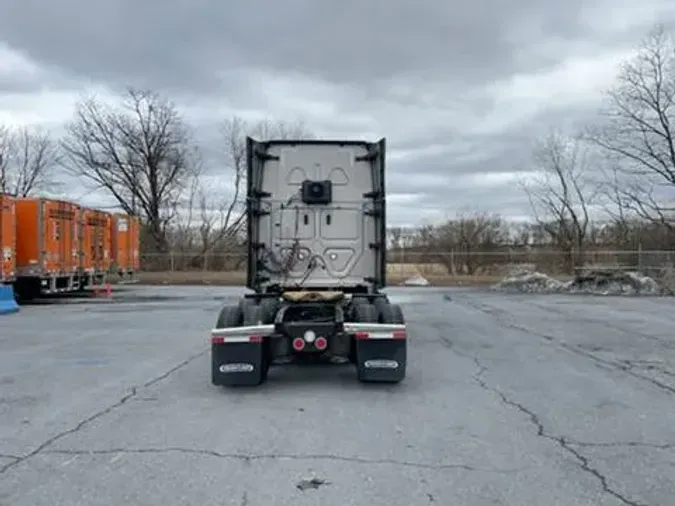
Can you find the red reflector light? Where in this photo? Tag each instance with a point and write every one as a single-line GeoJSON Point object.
{"type": "Point", "coordinates": [361, 335]}
{"type": "Point", "coordinates": [321, 343]}
{"type": "Point", "coordinates": [255, 339]}
{"type": "Point", "coordinates": [217, 340]}
{"type": "Point", "coordinates": [399, 334]}
{"type": "Point", "coordinates": [298, 344]}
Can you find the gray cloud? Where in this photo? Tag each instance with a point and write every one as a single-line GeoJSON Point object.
{"type": "Point", "coordinates": [184, 43]}
{"type": "Point", "coordinates": [431, 76]}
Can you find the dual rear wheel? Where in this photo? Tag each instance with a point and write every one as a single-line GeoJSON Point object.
{"type": "Point", "coordinates": [255, 357]}
{"type": "Point", "coordinates": [390, 355]}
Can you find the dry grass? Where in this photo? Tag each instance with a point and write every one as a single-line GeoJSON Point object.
{"type": "Point", "coordinates": [239, 278]}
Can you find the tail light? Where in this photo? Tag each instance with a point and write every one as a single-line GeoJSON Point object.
{"type": "Point", "coordinates": [321, 343]}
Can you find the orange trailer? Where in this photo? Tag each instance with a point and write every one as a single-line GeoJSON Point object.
{"type": "Point", "coordinates": [7, 239]}
{"type": "Point", "coordinates": [47, 246]}
{"type": "Point", "coordinates": [135, 241]}
{"type": "Point", "coordinates": [125, 233]}
{"type": "Point", "coordinates": [96, 246]}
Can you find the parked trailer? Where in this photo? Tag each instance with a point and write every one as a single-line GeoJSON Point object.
{"type": "Point", "coordinates": [7, 239]}
{"type": "Point", "coordinates": [316, 214]}
{"type": "Point", "coordinates": [125, 239]}
{"type": "Point", "coordinates": [47, 246]}
{"type": "Point", "coordinates": [96, 247]}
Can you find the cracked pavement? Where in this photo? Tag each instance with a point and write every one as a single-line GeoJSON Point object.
{"type": "Point", "coordinates": [509, 400]}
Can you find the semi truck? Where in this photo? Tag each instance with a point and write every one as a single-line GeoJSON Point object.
{"type": "Point", "coordinates": [316, 227]}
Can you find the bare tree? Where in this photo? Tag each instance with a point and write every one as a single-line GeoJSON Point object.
{"type": "Point", "coordinates": [561, 192]}
{"type": "Point", "coordinates": [140, 153]}
{"type": "Point", "coordinates": [464, 244]}
{"type": "Point", "coordinates": [637, 130]}
{"type": "Point", "coordinates": [222, 219]}
{"type": "Point", "coordinates": [28, 159]}
{"type": "Point", "coordinates": [618, 232]}
{"type": "Point", "coordinates": [182, 234]}
{"type": "Point", "coordinates": [473, 239]}
{"type": "Point", "coordinates": [395, 238]}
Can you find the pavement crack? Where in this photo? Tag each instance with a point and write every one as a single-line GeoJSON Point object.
{"type": "Point", "coordinates": [10, 457]}
{"type": "Point", "coordinates": [248, 457]}
{"type": "Point", "coordinates": [86, 421]}
{"type": "Point", "coordinates": [502, 318]}
{"type": "Point", "coordinates": [585, 319]}
{"type": "Point", "coordinates": [620, 444]}
{"type": "Point", "coordinates": [562, 442]}
{"type": "Point", "coordinates": [626, 368]}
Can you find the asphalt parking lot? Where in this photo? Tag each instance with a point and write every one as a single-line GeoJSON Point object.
{"type": "Point", "coordinates": [509, 400]}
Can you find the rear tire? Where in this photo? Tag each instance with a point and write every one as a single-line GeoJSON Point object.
{"type": "Point", "coordinates": [230, 316]}
{"type": "Point", "coordinates": [380, 302]}
{"type": "Point", "coordinates": [243, 314]}
{"type": "Point", "coordinates": [391, 313]}
{"type": "Point", "coordinates": [357, 301]}
{"type": "Point", "coordinates": [269, 309]}
{"type": "Point", "coordinates": [245, 302]}
{"type": "Point", "coordinates": [382, 312]}
{"type": "Point", "coordinates": [365, 312]}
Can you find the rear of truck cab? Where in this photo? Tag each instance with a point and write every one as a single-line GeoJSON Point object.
{"type": "Point", "coordinates": [316, 235]}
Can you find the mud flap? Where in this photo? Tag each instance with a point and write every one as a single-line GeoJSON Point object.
{"type": "Point", "coordinates": [240, 360]}
{"type": "Point", "coordinates": [381, 360]}
{"type": "Point", "coordinates": [235, 364]}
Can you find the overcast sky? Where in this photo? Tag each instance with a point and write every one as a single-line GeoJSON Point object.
{"type": "Point", "coordinates": [460, 89]}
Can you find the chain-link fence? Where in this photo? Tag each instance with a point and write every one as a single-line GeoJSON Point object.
{"type": "Point", "coordinates": [430, 264]}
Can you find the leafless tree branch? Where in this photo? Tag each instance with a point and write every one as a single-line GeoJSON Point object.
{"type": "Point", "coordinates": [217, 204]}
{"type": "Point", "coordinates": [637, 129]}
{"type": "Point", "coordinates": [28, 160]}
{"type": "Point", "coordinates": [140, 153]}
{"type": "Point", "coordinates": [562, 191]}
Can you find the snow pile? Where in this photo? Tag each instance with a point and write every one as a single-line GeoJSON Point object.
{"type": "Point", "coordinates": [530, 282]}
{"type": "Point", "coordinates": [667, 280]}
{"type": "Point", "coordinates": [593, 283]}
{"type": "Point", "coordinates": [416, 281]}
{"type": "Point", "coordinates": [616, 283]}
